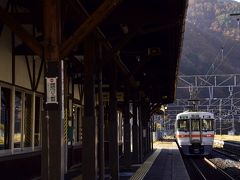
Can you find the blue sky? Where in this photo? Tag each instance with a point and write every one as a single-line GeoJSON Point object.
{"type": "Point", "coordinates": [237, 0]}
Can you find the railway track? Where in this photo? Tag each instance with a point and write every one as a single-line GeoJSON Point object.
{"type": "Point", "coordinates": [233, 142]}
{"type": "Point", "coordinates": [228, 161]}
{"type": "Point", "coordinates": [228, 148]}
{"type": "Point", "coordinates": [203, 169]}
{"type": "Point", "coordinates": [228, 153]}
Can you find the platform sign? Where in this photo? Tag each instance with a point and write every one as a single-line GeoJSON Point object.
{"type": "Point", "coordinates": [119, 96]}
{"type": "Point", "coordinates": [51, 90]}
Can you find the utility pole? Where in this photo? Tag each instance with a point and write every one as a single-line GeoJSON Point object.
{"type": "Point", "coordinates": [238, 37]}
{"type": "Point", "coordinates": [220, 116]}
{"type": "Point", "coordinates": [236, 14]}
{"type": "Point", "coordinates": [232, 107]}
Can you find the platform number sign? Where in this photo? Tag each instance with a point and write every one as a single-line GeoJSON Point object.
{"type": "Point", "coordinates": [51, 90]}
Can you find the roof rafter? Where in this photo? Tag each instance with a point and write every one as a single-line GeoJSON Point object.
{"type": "Point", "coordinates": [88, 26]}
{"type": "Point", "coordinates": [113, 51]}
{"type": "Point", "coordinates": [22, 33]}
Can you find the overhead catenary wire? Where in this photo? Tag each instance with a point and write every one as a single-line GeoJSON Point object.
{"type": "Point", "coordinates": [222, 54]}
{"type": "Point", "coordinates": [219, 61]}
{"type": "Point", "coordinates": [230, 50]}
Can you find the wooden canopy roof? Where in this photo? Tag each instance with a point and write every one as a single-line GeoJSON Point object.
{"type": "Point", "coordinates": [143, 37]}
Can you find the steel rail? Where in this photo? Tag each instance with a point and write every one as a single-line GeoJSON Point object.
{"type": "Point", "coordinates": [219, 169]}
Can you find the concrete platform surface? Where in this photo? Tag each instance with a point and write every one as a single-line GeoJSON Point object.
{"type": "Point", "coordinates": [164, 164]}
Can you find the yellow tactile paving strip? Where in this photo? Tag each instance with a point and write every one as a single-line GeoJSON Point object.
{"type": "Point", "coordinates": [142, 171]}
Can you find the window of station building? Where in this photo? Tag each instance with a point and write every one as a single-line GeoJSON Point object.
{"type": "Point", "coordinates": [195, 124]}
{"type": "Point", "coordinates": [5, 119]}
{"type": "Point", "coordinates": [28, 121]}
{"type": "Point", "coordinates": [75, 132]}
{"type": "Point", "coordinates": [18, 120]}
{"type": "Point", "coordinates": [23, 128]}
{"type": "Point", "coordinates": [80, 111]}
{"type": "Point", "coordinates": [120, 127]}
{"type": "Point", "coordinates": [37, 128]}
{"type": "Point", "coordinates": [207, 124]}
{"type": "Point", "coordinates": [183, 125]}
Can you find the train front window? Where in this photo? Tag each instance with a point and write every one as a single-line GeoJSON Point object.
{"type": "Point", "coordinates": [195, 124]}
{"type": "Point", "coordinates": [183, 125]}
{"type": "Point", "coordinates": [207, 124]}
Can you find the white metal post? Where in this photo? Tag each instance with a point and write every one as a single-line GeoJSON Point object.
{"type": "Point", "coordinates": [12, 119]}
{"type": "Point", "coordinates": [33, 118]}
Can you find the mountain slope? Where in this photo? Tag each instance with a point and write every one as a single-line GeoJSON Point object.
{"type": "Point", "coordinates": [211, 40]}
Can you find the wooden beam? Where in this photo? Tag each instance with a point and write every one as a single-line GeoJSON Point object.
{"type": "Point", "coordinates": [52, 29]}
{"type": "Point", "coordinates": [124, 70]}
{"type": "Point", "coordinates": [154, 108]}
{"type": "Point", "coordinates": [82, 13]}
{"type": "Point", "coordinates": [112, 51]}
{"type": "Point", "coordinates": [88, 26]}
{"type": "Point", "coordinates": [22, 33]}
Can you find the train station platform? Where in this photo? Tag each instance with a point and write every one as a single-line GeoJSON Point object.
{"type": "Point", "coordinates": [164, 164]}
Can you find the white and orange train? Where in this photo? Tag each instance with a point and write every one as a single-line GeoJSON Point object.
{"type": "Point", "coordinates": [194, 132]}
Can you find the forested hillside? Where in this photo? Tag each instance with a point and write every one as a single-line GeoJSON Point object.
{"type": "Point", "coordinates": [211, 40]}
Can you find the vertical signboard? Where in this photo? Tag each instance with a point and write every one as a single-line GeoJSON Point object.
{"type": "Point", "coordinates": [51, 90]}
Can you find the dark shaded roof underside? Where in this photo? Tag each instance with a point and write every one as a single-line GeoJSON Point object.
{"type": "Point", "coordinates": [146, 34]}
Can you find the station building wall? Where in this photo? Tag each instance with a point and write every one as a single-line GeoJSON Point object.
{"type": "Point", "coordinates": [21, 107]}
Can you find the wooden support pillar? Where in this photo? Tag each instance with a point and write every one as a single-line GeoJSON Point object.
{"type": "Point", "coordinates": [148, 137]}
{"type": "Point", "coordinates": [113, 128]}
{"type": "Point", "coordinates": [54, 124]}
{"type": "Point", "coordinates": [127, 140]}
{"type": "Point", "coordinates": [101, 129]}
{"type": "Point", "coordinates": [89, 153]}
{"type": "Point", "coordinates": [145, 125]}
{"type": "Point", "coordinates": [140, 112]}
{"type": "Point", "coordinates": [53, 149]}
{"type": "Point", "coordinates": [148, 130]}
{"type": "Point", "coordinates": [45, 142]}
{"type": "Point", "coordinates": [135, 134]}
{"type": "Point", "coordinates": [152, 130]}
{"type": "Point", "coordinates": [66, 117]}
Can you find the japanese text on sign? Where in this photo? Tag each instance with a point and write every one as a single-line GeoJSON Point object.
{"type": "Point", "coordinates": [51, 90]}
